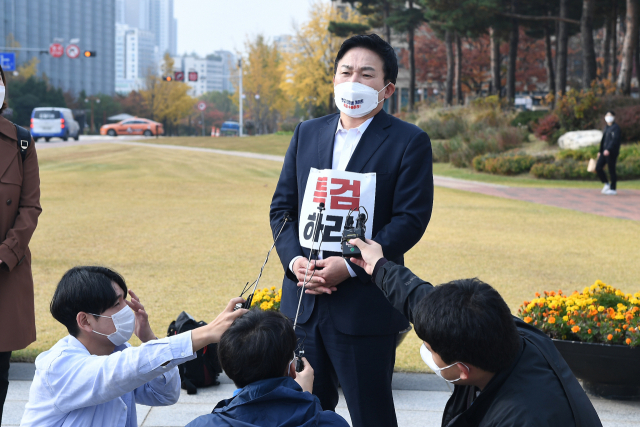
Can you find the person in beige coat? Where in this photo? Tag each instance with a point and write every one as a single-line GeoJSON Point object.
{"type": "Point", "coordinates": [19, 211]}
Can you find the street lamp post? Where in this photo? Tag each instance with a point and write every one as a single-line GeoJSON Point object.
{"type": "Point", "coordinates": [240, 95]}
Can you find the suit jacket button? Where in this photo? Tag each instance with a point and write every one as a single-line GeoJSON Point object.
{"type": "Point", "coordinates": [8, 202]}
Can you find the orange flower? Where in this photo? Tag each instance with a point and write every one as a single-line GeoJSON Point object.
{"type": "Point", "coordinates": [628, 341]}
{"type": "Point", "coordinates": [552, 293]}
{"type": "Point", "coordinates": [537, 294]}
{"type": "Point", "coordinates": [575, 329]}
{"type": "Point", "coordinates": [552, 320]}
{"type": "Point", "coordinates": [589, 331]}
{"type": "Point", "coordinates": [598, 324]}
{"type": "Point", "coordinates": [572, 322]}
{"type": "Point", "coordinates": [527, 319]}
{"type": "Point", "coordinates": [617, 331]}
{"type": "Point", "coordinates": [625, 327]}
{"type": "Point", "coordinates": [609, 337]}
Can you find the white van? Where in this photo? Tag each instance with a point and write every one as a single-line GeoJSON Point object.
{"type": "Point", "coordinates": [51, 122]}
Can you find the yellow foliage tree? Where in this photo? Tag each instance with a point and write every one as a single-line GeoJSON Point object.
{"type": "Point", "coordinates": [310, 68]}
{"type": "Point", "coordinates": [168, 102]}
{"type": "Point", "coordinates": [262, 75]}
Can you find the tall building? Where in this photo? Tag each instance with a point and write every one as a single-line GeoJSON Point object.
{"type": "Point", "coordinates": [215, 72]}
{"type": "Point", "coordinates": [164, 26]}
{"type": "Point", "coordinates": [135, 57]}
{"type": "Point", "coordinates": [36, 24]}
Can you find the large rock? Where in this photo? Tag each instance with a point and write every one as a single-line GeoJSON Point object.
{"type": "Point", "coordinates": [579, 139]}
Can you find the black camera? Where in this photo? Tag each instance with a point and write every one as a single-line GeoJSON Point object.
{"type": "Point", "coordinates": [352, 231]}
{"type": "Point", "coordinates": [299, 362]}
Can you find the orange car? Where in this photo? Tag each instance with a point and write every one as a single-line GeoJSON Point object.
{"type": "Point", "coordinates": [133, 126]}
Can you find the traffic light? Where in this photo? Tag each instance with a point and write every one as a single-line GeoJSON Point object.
{"type": "Point", "coordinates": [89, 53]}
{"type": "Point", "coordinates": [167, 78]}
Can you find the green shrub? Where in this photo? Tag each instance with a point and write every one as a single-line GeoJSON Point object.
{"type": "Point", "coordinates": [629, 151]}
{"type": "Point", "coordinates": [508, 163]}
{"type": "Point", "coordinates": [584, 153]}
{"type": "Point", "coordinates": [528, 119]}
{"type": "Point", "coordinates": [629, 168]}
{"type": "Point", "coordinates": [445, 127]}
{"type": "Point", "coordinates": [440, 154]}
{"type": "Point", "coordinates": [563, 169]}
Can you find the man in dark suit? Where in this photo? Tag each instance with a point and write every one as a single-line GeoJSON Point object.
{"type": "Point", "coordinates": [346, 326]}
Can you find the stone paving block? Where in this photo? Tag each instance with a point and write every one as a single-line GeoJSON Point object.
{"type": "Point", "coordinates": [411, 400]}
{"type": "Point", "coordinates": [419, 419]}
{"type": "Point", "coordinates": [141, 413]}
{"type": "Point", "coordinates": [12, 412]}
{"type": "Point", "coordinates": [18, 390]}
{"type": "Point", "coordinates": [22, 371]}
{"type": "Point", "coordinates": [176, 415]}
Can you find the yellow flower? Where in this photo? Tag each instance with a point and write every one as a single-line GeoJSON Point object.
{"type": "Point", "coordinates": [264, 306]}
{"type": "Point", "coordinates": [278, 298]}
{"type": "Point", "coordinates": [273, 288]}
{"type": "Point", "coordinates": [600, 309]}
{"type": "Point", "coordinates": [565, 318]}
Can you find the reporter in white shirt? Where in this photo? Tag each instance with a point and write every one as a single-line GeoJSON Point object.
{"type": "Point", "coordinates": [93, 376]}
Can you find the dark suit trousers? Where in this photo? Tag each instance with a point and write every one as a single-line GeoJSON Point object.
{"type": "Point", "coordinates": [4, 378]}
{"type": "Point", "coordinates": [362, 365]}
{"type": "Point", "coordinates": [610, 161]}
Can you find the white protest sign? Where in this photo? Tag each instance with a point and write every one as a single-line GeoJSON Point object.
{"type": "Point", "coordinates": [340, 192]}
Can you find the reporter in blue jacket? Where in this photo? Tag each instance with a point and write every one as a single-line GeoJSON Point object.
{"type": "Point", "coordinates": [256, 352]}
{"type": "Point", "coordinates": [348, 327]}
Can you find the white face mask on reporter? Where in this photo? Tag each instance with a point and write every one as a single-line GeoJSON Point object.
{"type": "Point", "coordinates": [427, 357]}
{"type": "Point", "coordinates": [2, 93]}
{"type": "Point", "coordinates": [609, 119]}
{"type": "Point", "coordinates": [355, 99]}
{"type": "Point", "coordinates": [125, 322]}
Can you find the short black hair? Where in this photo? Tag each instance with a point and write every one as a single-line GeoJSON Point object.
{"type": "Point", "coordinates": [4, 81]}
{"type": "Point", "coordinates": [610, 112]}
{"type": "Point", "coordinates": [258, 345]}
{"type": "Point", "coordinates": [374, 43]}
{"type": "Point", "coordinates": [468, 321]}
{"type": "Point", "coordinates": [87, 289]}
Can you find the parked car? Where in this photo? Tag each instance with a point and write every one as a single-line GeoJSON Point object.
{"type": "Point", "coordinates": [134, 126]}
{"type": "Point", "coordinates": [52, 122]}
{"type": "Point", "coordinates": [230, 128]}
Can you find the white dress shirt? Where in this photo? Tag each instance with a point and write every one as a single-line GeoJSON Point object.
{"type": "Point", "coordinates": [344, 144]}
{"type": "Point", "coordinates": [71, 387]}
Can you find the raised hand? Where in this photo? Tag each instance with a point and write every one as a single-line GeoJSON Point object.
{"type": "Point", "coordinates": [142, 329]}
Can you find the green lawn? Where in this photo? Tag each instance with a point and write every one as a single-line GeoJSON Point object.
{"type": "Point", "coordinates": [277, 145]}
{"type": "Point", "coordinates": [188, 231]}
{"type": "Point", "coordinates": [263, 144]}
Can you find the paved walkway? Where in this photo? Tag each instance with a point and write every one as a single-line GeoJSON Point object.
{"type": "Point", "coordinates": [625, 205]}
{"type": "Point", "coordinates": [419, 401]}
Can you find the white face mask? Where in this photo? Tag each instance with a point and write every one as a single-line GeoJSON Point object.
{"type": "Point", "coordinates": [125, 322]}
{"type": "Point", "coordinates": [356, 99]}
{"type": "Point", "coordinates": [609, 119]}
{"type": "Point", "coordinates": [2, 92]}
{"type": "Point", "coordinates": [427, 357]}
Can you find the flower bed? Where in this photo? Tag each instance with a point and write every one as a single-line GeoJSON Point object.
{"type": "Point", "coordinates": [267, 299]}
{"type": "Point", "coordinates": [598, 314]}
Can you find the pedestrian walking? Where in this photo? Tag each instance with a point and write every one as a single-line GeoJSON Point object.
{"type": "Point", "coordinates": [608, 154]}
{"type": "Point", "coordinates": [19, 211]}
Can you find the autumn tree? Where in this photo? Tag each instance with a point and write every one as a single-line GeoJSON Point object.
{"type": "Point", "coordinates": [629, 47]}
{"type": "Point", "coordinates": [310, 67]}
{"type": "Point", "coordinates": [167, 102]}
{"type": "Point", "coordinates": [263, 74]}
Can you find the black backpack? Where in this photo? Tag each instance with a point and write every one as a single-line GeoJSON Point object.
{"type": "Point", "coordinates": [24, 139]}
{"type": "Point", "coordinates": [202, 371]}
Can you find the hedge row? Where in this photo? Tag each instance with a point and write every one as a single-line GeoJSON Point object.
{"type": "Point", "coordinates": [568, 164]}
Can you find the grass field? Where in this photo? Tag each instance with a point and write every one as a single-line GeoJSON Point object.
{"type": "Point", "coordinates": [188, 231]}
{"type": "Point", "coordinates": [277, 145]}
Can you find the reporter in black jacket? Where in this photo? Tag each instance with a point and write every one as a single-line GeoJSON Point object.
{"type": "Point", "coordinates": [505, 372]}
{"type": "Point", "coordinates": [608, 154]}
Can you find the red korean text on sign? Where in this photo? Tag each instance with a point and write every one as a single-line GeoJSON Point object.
{"type": "Point", "coordinates": [339, 197]}
{"type": "Point", "coordinates": [320, 195]}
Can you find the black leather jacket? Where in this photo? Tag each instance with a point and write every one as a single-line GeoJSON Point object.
{"type": "Point", "coordinates": [611, 139]}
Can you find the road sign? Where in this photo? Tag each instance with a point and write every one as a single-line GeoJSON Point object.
{"type": "Point", "coordinates": [73, 51]}
{"type": "Point", "coordinates": [179, 76]}
{"type": "Point", "coordinates": [202, 106]}
{"type": "Point", "coordinates": [193, 76]}
{"type": "Point", "coordinates": [56, 50]}
{"type": "Point", "coordinates": [8, 61]}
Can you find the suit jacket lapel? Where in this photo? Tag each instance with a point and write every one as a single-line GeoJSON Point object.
{"type": "Point", "coordinates": [372, 138]}
{"type": "Point", "coordinates": [325, 138]}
